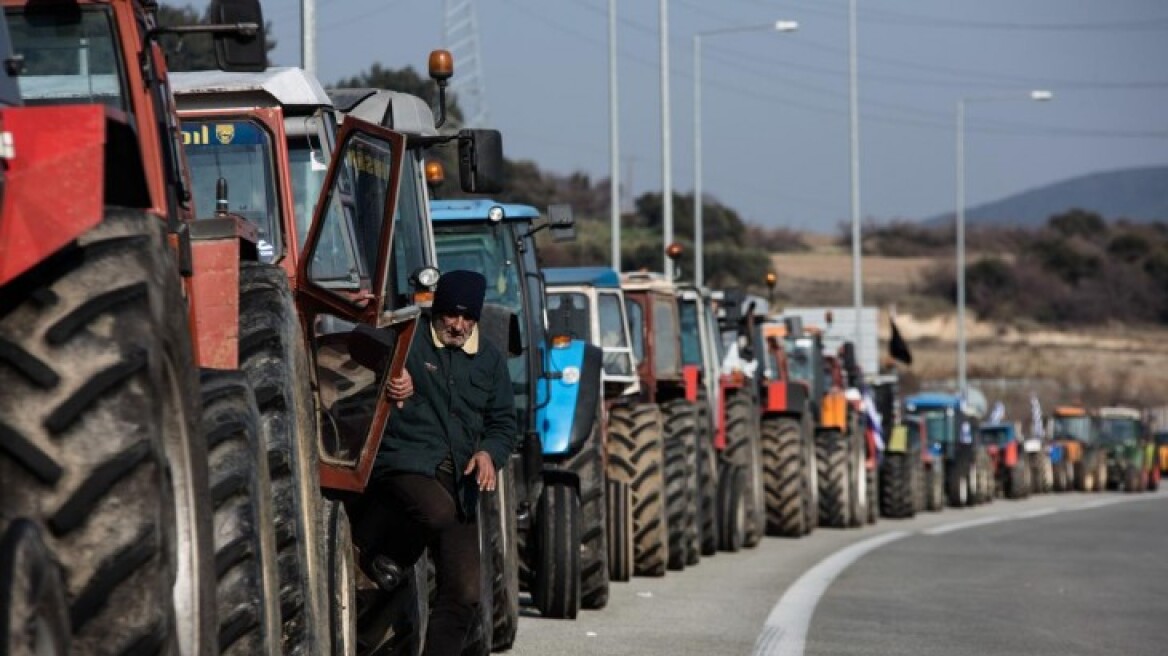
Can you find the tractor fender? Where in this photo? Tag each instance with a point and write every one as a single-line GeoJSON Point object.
{"type": "Point", "coordinates": [55, 185]}
{"type": "Point", "coordinates": [552, 475]}
{"type": "Point", "coordinates": [566, 417]}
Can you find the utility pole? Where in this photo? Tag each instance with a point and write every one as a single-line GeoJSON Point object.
{"type": "Point", "coordinates": [854, 111]}
{"type": "Point", "coordinates": [613, 140]}
{"type": "Point", "coordinates": [308, 35]}
{"type": "Point", "coordinates": [666, 164]}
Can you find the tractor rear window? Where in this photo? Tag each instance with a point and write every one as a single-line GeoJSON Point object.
{"type": "Point", "coordinates": [239, 153]}
{"type": "Point", "coordinates": [666, 358]}
{"type": "Point", "coordinates": [568, 314]}
{"type": "Point", "coordinates": [69, 55]}
{"type": "Point", "coordinates": [691, 342]}
{"type": "Point", "coordinates": [1119, 429]}
{"type": "Point", "coordinates": [1075, 428]}
{"type": "Point", "coordinates": [612, 336]}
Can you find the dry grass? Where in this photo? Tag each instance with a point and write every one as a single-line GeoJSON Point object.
{"type": "Point", "coordinates": [1105, 365]}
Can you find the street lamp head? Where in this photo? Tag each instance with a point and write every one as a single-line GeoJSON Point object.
{"type": "Point", "coordinates": [786, 25]}
{"type": "Point", "coordinates": [1041, 95]}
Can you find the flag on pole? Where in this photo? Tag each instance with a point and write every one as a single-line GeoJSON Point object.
{"type": "Point", "coordinates": [1036, 428]}
{"type": "Point", "coordinates": [998, 414]}
{"type": "Point", "coordinates": [868, 405]}
{"type": "Point", "coordinates": [897, 347]}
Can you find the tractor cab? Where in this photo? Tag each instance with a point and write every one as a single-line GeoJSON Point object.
{"type": "Point", "coordinates": [587, 303]}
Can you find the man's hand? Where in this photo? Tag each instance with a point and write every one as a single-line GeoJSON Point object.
{"type": "Point", "coordinates": [481, 461]}
{"type": "Point", "coordinates": [400, 388]}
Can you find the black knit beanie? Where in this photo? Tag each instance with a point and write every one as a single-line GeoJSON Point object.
{"type": "Point", "coordinates": [460, 292]}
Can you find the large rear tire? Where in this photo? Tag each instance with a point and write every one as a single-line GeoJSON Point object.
{"type": "Point", "coordinates": [731, 507]}
{"type": "Point", "coordinates": [831, 457]}
{"type": "Point", "coordinates": [588, 466]}
{"type": "Point", "coordinates": [245, 541]}
{"type": "Point", "coordinates": [743, 449]}
{"type": "Point", "coordinates": [782, 450]}
{"type": "Point", "coordinates": [935, 486]}
{"type": "Point", "coordinates": [272, 354]}
{"type": "Point", "coordinates": [896, 486]}
{"type": "Point", "coordinates": [100, 447]}
{"type": "Point", "coordinates": [680, 485]}
{"type": "Point", "coordinates": [636, 456]}
{"type": "Point", "coordinates": [707, 478]}
{"type": "Point", "coordinates": [556, 586]}
{"type": "Point", "coordinates": [620, 531]}
{"type": "Point", "coordinates": [503, 508]}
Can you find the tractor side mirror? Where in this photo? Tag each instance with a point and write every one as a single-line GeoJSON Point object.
{"type": "Point", "coordinates": [480, 161]}
{"type": "Point", "coordinates": [562, 223]}
{"type": "Point", "coordinates": [243, 50]}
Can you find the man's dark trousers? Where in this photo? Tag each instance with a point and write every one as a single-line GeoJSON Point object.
{"type": "Point", "coordinates": [413, 512]}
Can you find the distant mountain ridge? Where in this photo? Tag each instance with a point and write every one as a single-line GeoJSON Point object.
{"type": "Point", "coordinates": [1139, 194]}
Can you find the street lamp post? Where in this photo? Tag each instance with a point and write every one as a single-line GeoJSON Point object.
{"type": "Point", "coordinates": [699, 236]}
{"type": "Point", "coordinates": [666, 155]}
{"type": "Point", "coordinates": [613, 140]}
{"type": "Point", "coordinates": [1039, 95]}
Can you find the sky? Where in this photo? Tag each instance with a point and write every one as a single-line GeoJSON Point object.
{"type": "Point", "coordinates": [775, 120]}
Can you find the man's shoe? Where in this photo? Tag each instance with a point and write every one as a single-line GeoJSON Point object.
{"type": "Point", "coordinates": [387, 574]}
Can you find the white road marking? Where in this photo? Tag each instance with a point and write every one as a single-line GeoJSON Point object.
{"type": "Point", "coordinates": [969, 523]}
{"type": "Point", "coordinates": [785, 630]}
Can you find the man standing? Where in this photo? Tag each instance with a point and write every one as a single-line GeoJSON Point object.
{"type": "Point", "coordinates": [444, 445]}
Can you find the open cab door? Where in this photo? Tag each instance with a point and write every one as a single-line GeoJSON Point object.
{"type": "Point", "coordinates": [356, 343]}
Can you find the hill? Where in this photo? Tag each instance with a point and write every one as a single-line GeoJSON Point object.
{"type": "Point", "coordinates": [1139, 194]}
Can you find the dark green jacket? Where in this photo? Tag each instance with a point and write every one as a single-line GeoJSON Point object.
{"type": "Point", "coordinates": [462, 404]}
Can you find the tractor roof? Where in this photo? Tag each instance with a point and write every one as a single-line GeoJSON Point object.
{"type": "Point", "coordinates": [1118, 412]}
{"type": "Point", "coordinates": [476, 210]}
{"type": "Point", "coordinates": [285, 87]}
{"type": "Point", "coordinates": [645, 281]}
{"type": "Point", "coordinates": [932, 400]}
{"type": "Point", "coordinates": [600, 277]}
{"type": "Point", "coordinates": [1070, 411]}
{"type": "Point", "coordinates": [395, 110]}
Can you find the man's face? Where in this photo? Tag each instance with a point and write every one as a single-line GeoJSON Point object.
{"type": "Point", "coordinates": [453, 329]}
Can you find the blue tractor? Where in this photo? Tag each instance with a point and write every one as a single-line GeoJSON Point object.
{"type": "Point", "coordinates": [559, 469]}
{"type": "Point", "coordinates": [954, 438]}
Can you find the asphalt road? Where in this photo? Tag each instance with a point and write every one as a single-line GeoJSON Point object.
{"type": "Point", "coordinates": [1057, 574]}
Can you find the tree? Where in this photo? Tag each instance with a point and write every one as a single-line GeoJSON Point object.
{"type": "Point", "coordinates": [194, 52]}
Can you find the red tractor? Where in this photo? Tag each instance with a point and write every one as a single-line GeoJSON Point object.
{"type": "Point", "coordinates": [148, 520]}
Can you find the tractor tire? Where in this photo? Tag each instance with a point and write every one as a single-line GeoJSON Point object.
{"type": "Point", "coordinates": [935, 487]}
{"type": "Point", "coordinates": [636, 457]}
{"type": "Point", "coordinates": [743, 449]}
{"type": "Point", "coordinates": [499, 515]}
{"type": "Point", "coordinates": [783, 467]}
{"type": "Point", "coordinates": [100, 447]}
{"type": "Point", "coordinates": [679, 435]}
{"type": "Point", "coordinates": [619, 529]}
{"type": "Point", "coordinates": [271, 353]}
{"type": "Point", "coordinates": [810, 472]}
{"type": "Point", "coordinates": [731, 507]}
{"type": "Point", "coordinates": [1017, 481]}
{"type": "Point", "coordinates": [957, 479]}
{"type": "Point", "coordinates": [896, 487]}
{"type": "Point", "coordinates": [873, 482]}
{"type": "Point", "coordinates": [707, 478]}
{"type": "Point", "coordinates": [588, 465]}
{"type": "Point", "coordinates": [1060, 482]}
{"type": "Point", "coordinates": [1101, 482]}
{"type": "Point", "coordinates": [917, 472]}
{"type": "Point", "coordinates": [1085, 475]}
{"type": "Point", "coordinates": [342, 585]}
{"type": "Point", "coordinates": [245, 542]}
{"type": "Point", "coordinates": [858, 488]}
{"type": "Point", "coordinates": [1133, 479]}
{"type": "Point", "coordinates": [34, 618]}
{"type": "Point", "coordinates": [987, 483]}
{"type": "Point", "coordinates": [831, 456]}
{"type": "Point", "coordinates": [556, 588]}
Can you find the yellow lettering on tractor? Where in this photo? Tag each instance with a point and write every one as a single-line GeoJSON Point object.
{"type": "Point", "coordinates": [196, 137]}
